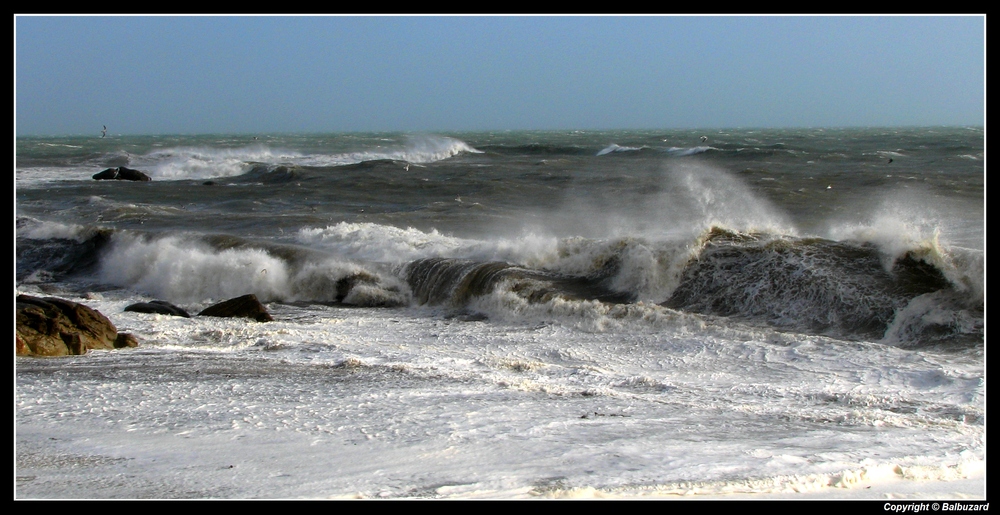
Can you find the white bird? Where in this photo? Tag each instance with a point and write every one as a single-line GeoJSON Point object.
{"type": "Point", "coordinates": [704, 139]}
{"type": "Point", "coordinates": [105, 131]}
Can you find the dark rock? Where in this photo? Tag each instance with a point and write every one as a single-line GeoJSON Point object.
{"type": "Point", "coordinates": [52, 326]}
{"type": "Point", "coordinates": [129, 174]}
{"type": "Point", "coordinates": [246, 306]}
{"type": "Point", "coordinates": [158, 307]}
{"type": "Point", "coordinates": [109, 174]}
{"type": "Point", "coordinates": [122, 174]}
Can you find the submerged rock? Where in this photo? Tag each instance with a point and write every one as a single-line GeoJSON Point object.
{"type": "Point", "coordinates": [246, 306]}
{"type": "Point", "coordinates": [52, 326]}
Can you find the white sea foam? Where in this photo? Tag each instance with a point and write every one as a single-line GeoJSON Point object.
{"type": "Point", "coordinates": [35, 177]}
{"type": "Point", "coordinates": [181, 270]}
{"type": "Point", "coordinates": [334, 402]}
{"type": "Point", "coordinates": [183, 163]}
{"type": "Point", "coordinates": [381, 243]}
{"type": "Point", "coordinates": [37, 229]}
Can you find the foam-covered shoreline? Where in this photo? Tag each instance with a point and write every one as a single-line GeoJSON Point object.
{"type": "Point", "coordinates": [351, 402]}
{"type": "Point", "coordinates": [208, 446]}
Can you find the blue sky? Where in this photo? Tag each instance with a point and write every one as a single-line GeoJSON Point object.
{"type": "Point", "coordinates": [226, 74]}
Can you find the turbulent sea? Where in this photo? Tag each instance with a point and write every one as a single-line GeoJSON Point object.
{"type": "Point", "coordinates": [509, 314]}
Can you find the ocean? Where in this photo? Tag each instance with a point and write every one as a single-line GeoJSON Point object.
{"type": "Point", "coordinates": [511, 314]}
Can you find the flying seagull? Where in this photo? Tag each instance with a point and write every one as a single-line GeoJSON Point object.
{"type": "Point", "coordinates": [704, 139]}
{"type": "Point", "coordinates": [105, 131]}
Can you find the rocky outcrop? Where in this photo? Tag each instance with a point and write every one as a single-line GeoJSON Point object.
{"type": "Point", "coordinates": [158, 307]}
{"type": "Point", "coordinates": [246, 306]}
{"type": "Point", "coordinates": [52, 326]}
{"type": "Point", "coordinates": [122, 174]}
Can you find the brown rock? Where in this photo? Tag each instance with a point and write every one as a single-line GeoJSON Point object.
{"type": "Point", "coordinates": [126, 340]}
{"type": "Point", "coordinates": [52, 326]}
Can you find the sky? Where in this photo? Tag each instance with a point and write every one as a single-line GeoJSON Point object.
{"type": "Point", "coordinates": [288, 74]}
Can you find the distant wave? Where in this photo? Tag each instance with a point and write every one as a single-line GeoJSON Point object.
{"type": "Point", "coordinates": [618, 148]}
{"type": "Point", "coordinates": [58, 145]}
{"type": "Point", "coordinates": [381, 243]}
{"type": "Point", "coordinates": [198, 163]}
{"type": "Point", "coordinates": [417, 149]}
{"type": "Point", "coordinates": [536, 149]}
{"type": "Point", "coordinates": [673, 151]}
{"type": "Point", "coordinates": [680, 151]}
